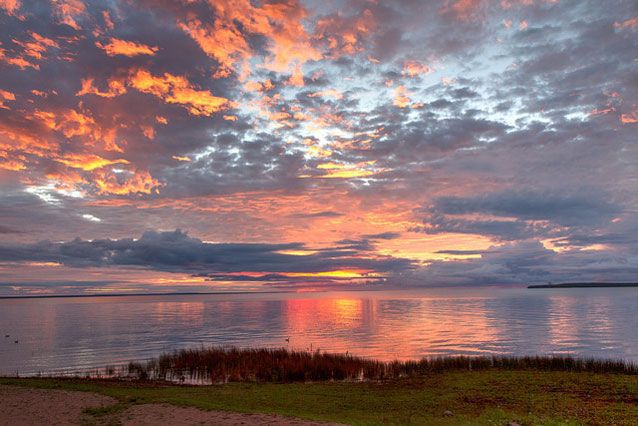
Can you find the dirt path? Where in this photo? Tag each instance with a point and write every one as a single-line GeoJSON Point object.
{"type": "Point", "coordinates": [25, 406]}
{"type": "Point", "coordinates": [159, 414]}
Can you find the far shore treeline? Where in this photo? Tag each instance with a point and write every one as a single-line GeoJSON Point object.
{"type": "Point", "coordinates": [583, 285]}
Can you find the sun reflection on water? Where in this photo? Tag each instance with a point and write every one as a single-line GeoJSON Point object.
{"type": "Point", "coordinates": [94, 332]}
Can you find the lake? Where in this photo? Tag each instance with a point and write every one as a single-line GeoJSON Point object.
{"type": "Point", "coordinates": [79, 334]}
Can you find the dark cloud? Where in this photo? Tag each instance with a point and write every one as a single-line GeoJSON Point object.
{"type": "Point", "coordinates": [327, 213]}
{"type": "Point", "coordinates": [512, 215]}
{"type": "Point", "coordinates": [7, 230]}
{"type": "Point", "coordinates": [460, 252]}
{"type": "Point", "coordinates": [382, 236]}
{"type": "Point", "coordinates": [526, 262]}
{"type": "Point", "coordinates": [562, 209]}
{"type": "Point", "coordinates": [177, 252]}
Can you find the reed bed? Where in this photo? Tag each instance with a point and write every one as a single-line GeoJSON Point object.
{"type": "Point", "coordinates": [221, 365]}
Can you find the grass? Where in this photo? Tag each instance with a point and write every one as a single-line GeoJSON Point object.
{"type": "Point", "coordinates": [347, 389]}
{"type": "Point", "coordinates": [482, 397]}
{"type": "Point", "coordinates": [222, 365]}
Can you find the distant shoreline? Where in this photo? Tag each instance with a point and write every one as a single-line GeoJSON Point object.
{"type": "Point", "coordinates": [583, 285]}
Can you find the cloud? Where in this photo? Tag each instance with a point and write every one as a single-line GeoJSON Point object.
{"type": "Point", "coordinates": [10, 6]}
{"type": "Point", "coordinates": [327, 213]}
{"type": "Point", "coordinates": [382, 236]}
{"type": "Point", "coordinates": [68, 12]}
{"type": "Point", "coordinates": [7, 230]}
{"type": "Point", "coordinates": [561, 208]}
{"type": "Point", "coordinates": [177, 252]}
{"type": "Point", "coordinates": [126, 48]}
{"type": "Point", "coordinates": [513, 215]}
{"type": "Point", "coordinates": [362, 128]}
{"type": "Point", "coordinates": [526, 262]}
{"type": "Point", "coordinates": [227, 39]}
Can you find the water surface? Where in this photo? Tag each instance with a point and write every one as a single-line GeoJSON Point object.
{"type": "Point", "coordinates": [77, 334]}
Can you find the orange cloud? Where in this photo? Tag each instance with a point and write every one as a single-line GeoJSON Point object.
{"type": "Point", "coordinates": [37, 46]}
{"type": "Point", "coordinates": [72, 123]}
{"type": "Point", "coordinates": [33, 49]}
{"type": "Point", "coordinates": [88, 162]}
{"type": "Point", "coordinates": [115, 88]}
{"type": "Point", "coordinates": [340, 273]}
{"type": "Point", "coordinates": [630, 118]}
{"type": "Point", "coordinates": [345, 35]}
{"type": "Point", "coordinates": [69, 122]}
{"type": "Point", "coordinates": [126, 48]}
{"type": "Point", "coordinates": [314, 150]}
{"type": "Point", "coordinates": [346, 171]}
{"type": "Point", "coordinates": [256, 86]}
{"type": "Point", "coordinates": [126, 182]}
{"type": "Point", "coordinates": [12, 164]}
{"type": "Point", "coordinates": [280, 24]}
{"type": "Point", "coordinates": [629, 23]}
{"type": "Point", "coordinates": [170, 88]}
{"type": "Point", "coordinates": [174, 89]}
{"type": "Point", "coordinates": [401, 98]}
{"type": "Point", "coordinates": [24, 139]}
{"type": "Point", "coordinates": [414, 68]}
{"type": "Point", "coordinates": [148, 131]}
{"type": "Point", "coordinates": [226, 44]}
{"type": "Point", "coordinates": [603, 111]}
{"type": "Point", "coordinates": [296, 79]}
{"type": "Point", "coordinates": [18, 61]}
{"type": "Point", "coordinates": [108, 22]}
{"type": "Point", "coordinates": [10, 6]}
{"type": "Point", "coordinates": [465, 10]}
{"type": "Point", "coordinates": [327, 93]}
{"type": "Point", "coordinates": [6, 96]}
{"type": "Point", "coordinates": [67, 11]}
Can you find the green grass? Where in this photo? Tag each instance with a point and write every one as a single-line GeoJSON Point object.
{"type": "Point", "coordinates": [486, 397]}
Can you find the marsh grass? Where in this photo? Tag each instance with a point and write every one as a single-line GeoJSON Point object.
{"type": "Point", "coordinates": [221, 365]}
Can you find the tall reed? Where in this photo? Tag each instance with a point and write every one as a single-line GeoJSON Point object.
{"type": "Point", "coordinates": [220, 365]}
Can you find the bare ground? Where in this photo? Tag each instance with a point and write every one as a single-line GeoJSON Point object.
{"type": "Point", "coordinates": [25, 406]}
{"type": "Point", "coordinates": [157, 414]}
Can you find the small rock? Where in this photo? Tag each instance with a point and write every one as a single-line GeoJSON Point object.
{"type": "Point", "coordinates": [448, 413]}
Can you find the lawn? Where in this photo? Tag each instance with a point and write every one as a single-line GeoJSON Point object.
{"type": "Point", "coordinates": [486, 397]}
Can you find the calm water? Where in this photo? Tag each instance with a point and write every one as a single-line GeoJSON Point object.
{"type": "Point", "coordinates": [75, 334]}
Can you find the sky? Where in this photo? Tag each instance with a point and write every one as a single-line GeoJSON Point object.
{"type": "Point", "coordinates": [214, 145]}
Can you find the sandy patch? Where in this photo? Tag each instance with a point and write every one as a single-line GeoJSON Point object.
{"type": "Point", "coordinates": [25, 406]}
{"type": "Point", "coordinates": [165, 414]}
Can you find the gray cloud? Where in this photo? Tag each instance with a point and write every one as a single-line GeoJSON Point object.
{"type": "Point", "coordinates": [177, 252]}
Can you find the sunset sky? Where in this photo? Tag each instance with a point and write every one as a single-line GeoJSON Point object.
{"type": "Point", "coordinates": [214, 145]}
